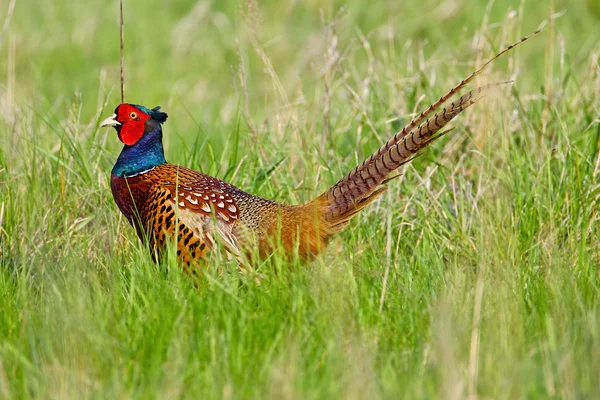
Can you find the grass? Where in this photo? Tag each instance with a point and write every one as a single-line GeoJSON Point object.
{"type": "Point", "coordinates": [476, 275]}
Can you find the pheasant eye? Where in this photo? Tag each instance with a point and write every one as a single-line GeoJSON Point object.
{"type": "Point", "coordinates": [133, 115]}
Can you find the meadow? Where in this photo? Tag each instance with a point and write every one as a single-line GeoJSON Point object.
{"type": "Point", "coordinates": [475, 275]}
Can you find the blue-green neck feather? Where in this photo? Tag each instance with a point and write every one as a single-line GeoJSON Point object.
{"type": "Point", "coordinates": [146, 154]}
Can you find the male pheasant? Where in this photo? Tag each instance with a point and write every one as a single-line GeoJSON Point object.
{"type": "Point", "coordinates": [167, 202]}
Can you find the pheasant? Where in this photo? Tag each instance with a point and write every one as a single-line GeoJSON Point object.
{"type": "Point", "coordinates": [167, 202]}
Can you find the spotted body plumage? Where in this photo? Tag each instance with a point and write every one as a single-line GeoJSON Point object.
{"type": "Point", "coordinates": [169, 201]}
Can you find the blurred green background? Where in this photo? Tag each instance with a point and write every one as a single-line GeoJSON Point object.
{"type": "Point", "coordinates": [186, 54]}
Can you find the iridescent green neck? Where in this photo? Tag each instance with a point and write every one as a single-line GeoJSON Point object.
{"type": "Point", "coordinates": [146, 154]}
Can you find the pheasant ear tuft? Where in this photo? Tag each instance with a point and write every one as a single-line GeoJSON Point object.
{"type": "Point", "coordinates": [158, 115]}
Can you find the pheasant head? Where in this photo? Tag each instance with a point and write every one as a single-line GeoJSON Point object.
{"type": "Point", "coordinates": [132, 121]}
{"type": "Point", "coordinates": [139, 128]}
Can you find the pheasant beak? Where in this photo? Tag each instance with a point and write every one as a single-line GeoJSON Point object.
{"type": "Point", "coordinates": [110, 121]}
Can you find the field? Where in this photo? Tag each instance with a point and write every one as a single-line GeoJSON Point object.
{"type": "Point", "coordinates": [475, 275]}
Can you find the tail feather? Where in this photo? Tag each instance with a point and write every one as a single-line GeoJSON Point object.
{"type": "Point", "coordinates": [363, 185]}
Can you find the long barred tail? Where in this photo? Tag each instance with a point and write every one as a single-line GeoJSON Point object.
{"type": "Point", "coordinates": [364, 184]}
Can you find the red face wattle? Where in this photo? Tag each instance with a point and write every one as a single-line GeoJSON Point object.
{"type": "Point", "coordinates": [129, 121]}
{"type": "Point", "coordinates": [132, 123]}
